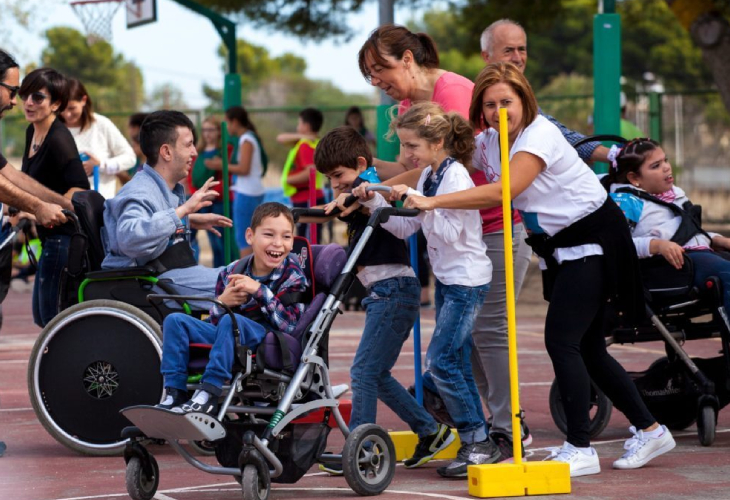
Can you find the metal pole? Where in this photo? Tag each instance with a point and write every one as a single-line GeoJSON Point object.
{"type": "Point", "coordinates": [607, 71]}
{"type": "Point", "coordinates": [226, 193]}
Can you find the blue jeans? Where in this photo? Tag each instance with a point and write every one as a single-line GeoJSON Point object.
{"type": "Point", "coordinates": [48, 278]}
{"type": "Point", "coordinates": [180, 330]}
{"type": "Point", "coordinates": [391, 309]}
{"type": "Point", "coordinates": [708, 264]}
{"type": "Point", "coordinates": [243, 208]}
{"type": "Point", "coordinates": [448, 363]}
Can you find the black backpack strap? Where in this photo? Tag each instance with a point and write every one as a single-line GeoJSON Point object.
{"type": "Point", "coordinates": [688, 227]}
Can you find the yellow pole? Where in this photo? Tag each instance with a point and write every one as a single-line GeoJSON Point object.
{"type": "Point", "coordinates": [510, 281]}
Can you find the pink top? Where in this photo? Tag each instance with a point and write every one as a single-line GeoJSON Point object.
{"type": "Point", "coordinates": [453, 93]}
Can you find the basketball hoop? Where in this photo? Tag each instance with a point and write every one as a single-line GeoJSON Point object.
{"type": "Point", "coordinates": [97, 15]}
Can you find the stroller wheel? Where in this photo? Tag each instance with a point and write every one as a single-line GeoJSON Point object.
{"type": "Point", "coordinates": [253, 486]}
{"type": "Point", "coordinates": [141, 485]}
{"type": "Point", "coordinates": [706, 422]}
{"type": "Point", "coordinates": [600, 410]}
{"type": "Point", "coordinates": [368, 460]}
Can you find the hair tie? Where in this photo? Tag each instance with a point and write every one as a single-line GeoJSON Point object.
{"type": "Point", "coordinates": [427, 121]}
{"type": "Point", "coordinates": [613, 153]}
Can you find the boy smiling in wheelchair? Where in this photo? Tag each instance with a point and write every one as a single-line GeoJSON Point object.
{"type": "Point", "coordinates": [255, 289]}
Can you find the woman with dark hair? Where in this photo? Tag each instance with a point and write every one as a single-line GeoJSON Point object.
{"type": "Point", "coordinates": [405, 65]}
{"type": "Point", "coordinates": [51, 158]}
{"type": "Point", "coordinates": [584, 241]}
{"type": "Point", "coordinates": [98, 138]}
{"type": "Point", "coordinates": [354, 119]}
{"type": "Point", "coordinates": [249, 167]}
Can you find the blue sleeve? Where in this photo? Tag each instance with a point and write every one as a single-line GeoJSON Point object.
{"type": "Point", "coordinates": [585, 151]}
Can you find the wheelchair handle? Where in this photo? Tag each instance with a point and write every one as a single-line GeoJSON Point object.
{"type": "Point", "coordinates": [73, 219]}
{"type": "Point", "coordinates": [600, 137]}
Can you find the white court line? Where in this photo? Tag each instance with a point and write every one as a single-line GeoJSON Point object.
{"type": "Point", "coordinates": [162, 496]}
{"type": "Point", "coordinates": [8, 410]}
{"type": "Point", "coordinates": [385, 493]}
{"type": "Point", "coordinates": [14, 361]}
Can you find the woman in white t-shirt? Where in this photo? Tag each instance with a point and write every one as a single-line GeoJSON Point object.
{"type": "Point", "coordinates": [249, 167]}
{"type": "Point", "coordinates": [584, 241]}
{"type": "Point", "coordinates": [98, 139]}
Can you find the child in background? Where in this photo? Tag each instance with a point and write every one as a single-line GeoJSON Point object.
{"type": "Point", "coordinates": [300, 161]}
{"type": "Point", "coordinates": [269, 274]}
{"type": "Point", "coordinates": [443, 144]}
{"type": "Point", "coordinates": [391, 304]}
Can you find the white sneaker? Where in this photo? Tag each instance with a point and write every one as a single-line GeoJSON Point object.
{"type": "Point", "coordinates": [581, 464]}
{"type": "Point", "coordinates": [642, 448]}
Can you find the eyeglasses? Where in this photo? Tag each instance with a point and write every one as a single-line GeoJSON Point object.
{"type": "Point", "coordinates": [12, 88]}
{"type": "Point", "coordinates": [36, 97]}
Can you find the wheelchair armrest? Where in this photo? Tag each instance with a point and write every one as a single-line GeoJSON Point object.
{"type": "Point", "coordinates": [127, 272]}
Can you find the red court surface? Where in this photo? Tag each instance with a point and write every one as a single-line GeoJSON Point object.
{"type": "Point", "coordinates": [35, 467]}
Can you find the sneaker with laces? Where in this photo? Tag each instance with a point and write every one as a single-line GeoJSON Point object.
{"type": "Point", "coordinates": [429, 446]}
{"type": "Point", "coordinates": [201, 402]}
{"type": "Point", "coordinates": [173, 397]}
{"type": "Point", "coordinates": [644, 447]}
{"type": "Point", "coordinates": [581, 464]}
{"type": "Point", "coordinates": [484, 452]}
{"type": "Point", "coordinates": [504, 443]}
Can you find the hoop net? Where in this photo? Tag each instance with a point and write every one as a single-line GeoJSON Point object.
{"type": "Point", "coordinates": [97, 15]}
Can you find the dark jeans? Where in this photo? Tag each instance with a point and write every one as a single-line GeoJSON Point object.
{"type": "Point", "coordinates": [575, 340]}
{"type": "Point", "coordinates": [708, 263]}
{"type": "Point", "coordinates": [46, 286]}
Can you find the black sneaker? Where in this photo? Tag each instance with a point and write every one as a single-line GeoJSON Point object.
{"type": "Point", "coordinates": [484, 452]}
{"type": "Point", "coordinates": [209, 406]}
{"type": "Point", "coordinates": [429, 446]}
{"type": "Point", "coordinates": [504, 444]}
{"type": "Point", "coordinates": [435, 406]}
{"type": "Point", "coordinates": [331, 469]}
{"type": "Point", "coordinates": [173, 397]}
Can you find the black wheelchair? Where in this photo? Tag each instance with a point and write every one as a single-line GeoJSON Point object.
{"type": "Point", "coordinates": [677, 389]}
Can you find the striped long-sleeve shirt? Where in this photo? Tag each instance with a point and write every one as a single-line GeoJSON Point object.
{"type": "Point", "coordinates": [585, 151]}
{"type": "Point", "coordinates": [287, 278]}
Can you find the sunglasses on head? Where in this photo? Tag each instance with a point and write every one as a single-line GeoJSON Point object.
{"type": "Point", "coordinates": [12, 88]}
{"type": "Point", "coordinates": [36, 97]}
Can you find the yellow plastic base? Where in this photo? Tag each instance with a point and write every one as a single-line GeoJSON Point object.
{"type": "Point", "coordinates": [405, 444]}
{"type": "Point", "coordinates": [512, 480]}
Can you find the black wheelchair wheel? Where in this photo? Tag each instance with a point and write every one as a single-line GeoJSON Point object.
{"type": "Point", "coordinates": [600, 410]}
{"type": "Point", "coordinates": [706, 424]}
{"type": "Point", "coordinates": [140, 485]}
{"type": "Point", "coordinates": [368, 460]}
{"type": "Point", "coordinates": [89, 362]}
{"type": "Point", "coordinates": [253, 486]}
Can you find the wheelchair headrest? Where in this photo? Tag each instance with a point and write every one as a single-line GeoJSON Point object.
{"type": "Point", "coordinates": [89, 208]}
{"type": "Point", "coordinates": [328, 263]}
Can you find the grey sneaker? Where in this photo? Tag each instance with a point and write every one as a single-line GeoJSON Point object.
{"type": "Point", "coordinates": [484, 452]}
{"type": "Point", "coordinates": [429, 446]}
{"type": "Point", "coordinates": [504, 444]}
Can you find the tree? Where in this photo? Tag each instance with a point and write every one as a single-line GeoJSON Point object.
{"type": "Point", "coordinates": [707, 21]}
{"type": "Point", "coordinates": [166, 96]}
{"type": "Point", "coordinates": [113, 82]}
{"type": "Point", "coordinates": [313, 19]}
{"type": "Point", "coordinates": [15, 13]}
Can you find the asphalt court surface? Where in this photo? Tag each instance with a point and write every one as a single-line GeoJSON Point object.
{"type": "Point", "coordinates": [36, 467]}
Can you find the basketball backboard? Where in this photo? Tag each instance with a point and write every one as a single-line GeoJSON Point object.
{"type": "Point", "coordinates": [140, 12]}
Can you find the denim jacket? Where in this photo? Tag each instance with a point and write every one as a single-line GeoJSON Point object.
{"type": "Point", "coordinates": [140, 221]}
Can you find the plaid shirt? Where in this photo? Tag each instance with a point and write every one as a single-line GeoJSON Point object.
{"type": "Point", "coordinates": [288, 277]}
{"type": "Point", "coordinates": [584, 150]}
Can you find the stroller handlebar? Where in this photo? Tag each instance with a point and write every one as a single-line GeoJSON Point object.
{"type": "Point", "coordinates": [318, 212]}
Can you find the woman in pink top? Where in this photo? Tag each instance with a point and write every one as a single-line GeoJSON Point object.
{"type": "Point", "coordinates": [405, 65]}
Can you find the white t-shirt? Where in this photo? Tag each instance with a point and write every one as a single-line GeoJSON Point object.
{"type": "Point", "coordinates": [104, 140]}
{"type": "Point", "coordinates": [563, 193]}
{"type": "Point", "coordinates": [456, 250]}
{"type": "Point", "coordinates": [250, 184]}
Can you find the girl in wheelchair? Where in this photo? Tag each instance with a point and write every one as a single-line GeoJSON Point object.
{"type": "Point", "coordinates": [662, 219]}
{"type": "Point", "coordinates": [256, 291]}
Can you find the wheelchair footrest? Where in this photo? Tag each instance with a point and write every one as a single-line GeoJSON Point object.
{"type": "Point", "coordinates": [158, 423]}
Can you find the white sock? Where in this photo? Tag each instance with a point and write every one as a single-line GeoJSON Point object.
{"type": "Point", "coordinates": [201, 397]}
{"type": "Point", "coordinates": [656, 433]}
{"type": "Point", "coordinates": [168, 400]}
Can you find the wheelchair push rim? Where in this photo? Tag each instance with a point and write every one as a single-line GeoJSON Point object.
{"type": "Point", "coordinates": [91, 361]}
